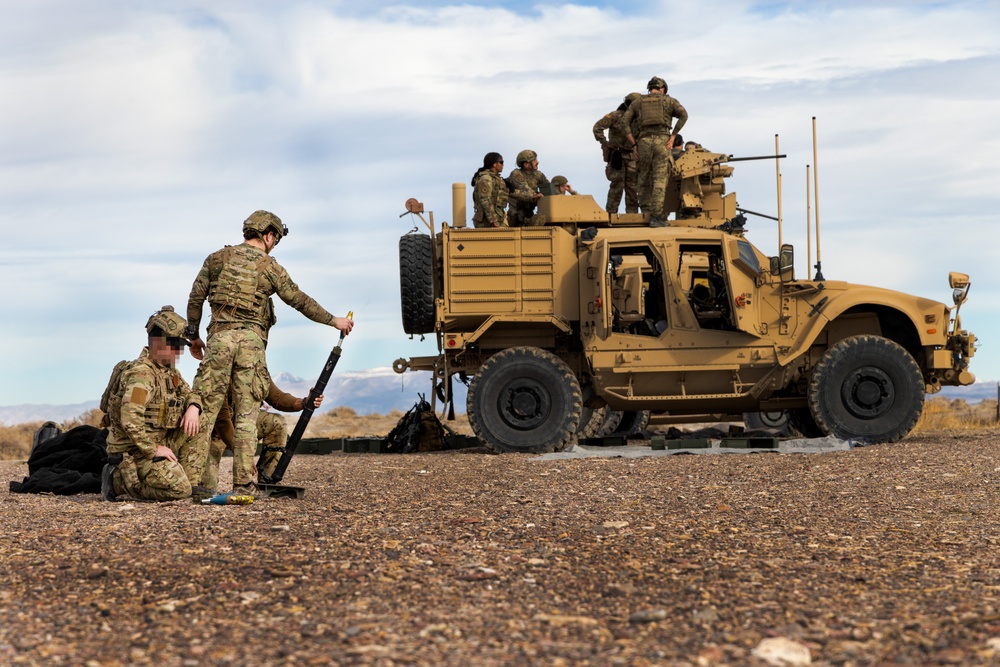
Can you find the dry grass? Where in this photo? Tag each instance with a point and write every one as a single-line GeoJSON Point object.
{"type": "Point", "coordinates": [940, 414]}
{"type": "Point", "coordinates": [342, 422]}
{"type": "Point", "coordinates": [943, 414]}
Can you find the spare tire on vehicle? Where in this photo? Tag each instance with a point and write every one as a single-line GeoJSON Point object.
{"type": "Point", "coordinates": [416, 283]}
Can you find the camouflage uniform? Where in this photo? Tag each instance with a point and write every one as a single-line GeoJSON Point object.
{"type": "Point", "coordinates": [524, 186]}
{"type": "Point", "coordinates": [624, 178]}
{"type": "Point", "coordinates": [152, 399]}
{"type": "Point", "coordinates": [652, 116]}
{"type": "Point", "coordinates": [237, 281]}
{"type": "Point", "coordinates": [489, 199]}
{"type": "Point", "coordinates": [272, 431]}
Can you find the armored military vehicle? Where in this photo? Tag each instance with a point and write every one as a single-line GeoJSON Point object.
{"type": "Point", "coordinates": [588, 312]}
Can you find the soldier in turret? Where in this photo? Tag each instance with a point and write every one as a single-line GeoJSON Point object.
{"type": "Point", "coordinates": [526, 184]}
{"type": "Point", "coordinates": [238, 281]}
{"type": "Point", "coordinates": [621, 168]}
{"type": "Point", "coordinates": [144, 408]}
{"type": "Point", "coordinates": [489, 194]}
{"type": "Point", "coordinates": [560, 185]}
{"type": "Point", "coordinates": [654, 114]}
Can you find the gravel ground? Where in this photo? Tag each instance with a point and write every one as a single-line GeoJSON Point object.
{"type": "Point", "coordinates": [876, 556]}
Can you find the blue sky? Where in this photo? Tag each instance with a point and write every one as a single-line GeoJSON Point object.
{"type": "Point", "coordinates": [136, 137]}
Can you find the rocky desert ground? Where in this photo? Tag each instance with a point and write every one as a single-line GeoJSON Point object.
{"type": "Point", "coordinates": [882, 555]}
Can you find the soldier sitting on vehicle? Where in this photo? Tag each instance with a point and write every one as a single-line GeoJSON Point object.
{"type": "Point", "coordinates": [526, 184]}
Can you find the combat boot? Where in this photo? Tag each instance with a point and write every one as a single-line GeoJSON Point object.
{"type": "Point", "coordinates": [108, 483]}
{"type": "Point", "coordinates": [200, 493]}
{"type": "Point", "coordinates": [247, 490]}
{"type": "Point", "coordinates": [108, 478]}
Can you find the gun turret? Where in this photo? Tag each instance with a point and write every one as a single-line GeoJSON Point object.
{"type": "Point", "coordinates": [696, 191]}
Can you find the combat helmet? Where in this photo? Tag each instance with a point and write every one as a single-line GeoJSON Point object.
{"type": "Point", "coordinates": [656, 82]}
{"type": "Point", "coordinates": [632, 97]}
{"type": "Point", "coordinates": [264, 221]}
{"type": "Point", "coordinates": [170, 323]}
{"type": "Point", "coordinates": [526, 156]}
{"type": "Point", "coordinates": [559, 180]}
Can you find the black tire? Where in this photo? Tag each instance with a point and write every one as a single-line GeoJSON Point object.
{"type": "Point", "coordinates": [591, 420]}
{"type": "Point", "coordinates": [524, 399]}
{"type": "Point", "coordinates": [416, 283]}
{"type": "Point", "coordinates": [610, 424]}
{"type": "Point", "coordinates": [802, 421]}
{"type": "Point", "coordinates": [866, 388]}
{"type": "Point", "coordinates": [633, 423]}
{"type": "Point", "coordinates": [774, 420]}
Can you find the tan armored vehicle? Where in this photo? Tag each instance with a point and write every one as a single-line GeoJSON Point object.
{"type": "Point", "coordinates": [590, 312]}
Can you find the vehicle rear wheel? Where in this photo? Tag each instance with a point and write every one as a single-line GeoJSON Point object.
{"type": "Point", "coordinates": [802, 421]}
{"type": "Point", "coordinates": [633, 423]}
{"type": "Point", "coordinates": [591, 420]}
{"type": "Point", "coordinates": [525, 399]}
{"type": "Point", "coordinates": [867, 388]}
{"type": "Point", "coordinates": [610, 424]}
{"type": "Point", "coordinates": [773, 420]}
{"type": "Point", "coordinates": [416, 283]}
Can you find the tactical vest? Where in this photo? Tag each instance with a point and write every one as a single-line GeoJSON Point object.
{"type": "Point", "coordinates": [235, 282]}
{"type": "Point", "coordinates": [164, 406]}
{"type": "Point", "coordinates": [653, 112]}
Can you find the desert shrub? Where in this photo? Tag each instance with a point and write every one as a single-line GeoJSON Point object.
{"type": "Point", "coordinates": [944, 414]}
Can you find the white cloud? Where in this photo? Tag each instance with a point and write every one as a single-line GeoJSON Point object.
{"type": "Point", "coordinates": [141, 136]}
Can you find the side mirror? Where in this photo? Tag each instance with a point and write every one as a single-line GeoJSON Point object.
{"type": "Point", "coordinates": [784, 264]}
{"type": "Point", "coordinates": [787, 257]}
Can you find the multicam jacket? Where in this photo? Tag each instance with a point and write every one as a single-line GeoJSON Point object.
{"type": "Point", "coordinates": [522, 193]}
{"type": "Point", "coordinates": [611, 122]}
{"type": "Point", "coordinates": [238, 281]}
{"type": "Point", "coordinates": [152, 399]}
{"type": "Point", "coordinates": [489, 199]}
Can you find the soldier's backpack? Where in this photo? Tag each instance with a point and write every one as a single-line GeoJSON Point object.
{"type": "Point", "coordinates": [111, 399]}
{"type": "Point", "coordinates": [419, 430]}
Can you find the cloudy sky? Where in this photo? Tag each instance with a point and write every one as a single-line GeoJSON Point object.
{"type": "Point", "coordinates": [135, 137]}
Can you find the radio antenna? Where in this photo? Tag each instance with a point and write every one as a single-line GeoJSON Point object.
{"type": "Point", "coordinates": [777, 174]}
{"type": "Point", "coordinates": [819, 261]}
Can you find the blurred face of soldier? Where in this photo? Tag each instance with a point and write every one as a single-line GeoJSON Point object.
{"type": "Point", "coordinates": [497, 166]}
{"type": "Point", "coordinates": [657, 91]}
{"type": "Point", "coordinates": [165, 351]}
{"type": "Point", "coordinates": [564, 188]}
{"type": "Point", "coordinates": [529, 166]}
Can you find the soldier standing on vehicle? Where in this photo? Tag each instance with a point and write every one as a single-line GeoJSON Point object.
{"type": "Point", "coordinates": [237, 281]}
{"type": "Point", "coordinates": [526, 183]}
{"type": "Point", "coordinates": [489, 194]}
{"type": "Point", "coordinates": [654, 113]}
{"type": "Point", "coordinates": [143, 411]}
{"type": "Point", "coordinates": [621, 168]}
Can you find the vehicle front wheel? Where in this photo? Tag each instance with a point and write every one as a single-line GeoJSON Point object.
{"type": "Point", "coordinates": [866, 388]}
{"type": "Point", "coordinates": [525, 399]}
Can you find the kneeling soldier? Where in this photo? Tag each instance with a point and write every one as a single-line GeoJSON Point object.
{"type": "Point", "coordinates": [144, 413]}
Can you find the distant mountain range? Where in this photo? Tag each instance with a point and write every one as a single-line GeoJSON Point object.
{"type": "Point", "coordinates": [377, 390]}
